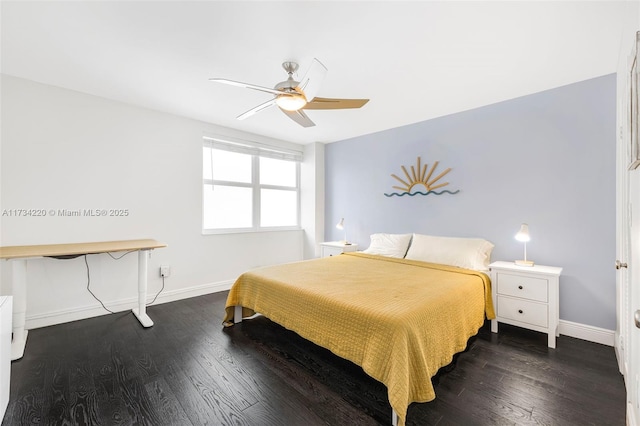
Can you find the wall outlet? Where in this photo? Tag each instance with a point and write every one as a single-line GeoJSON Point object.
{"type": "Point", "coordinates": [165, 271]}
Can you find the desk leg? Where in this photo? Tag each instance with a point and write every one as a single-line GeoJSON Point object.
{"type": "Point", "coordinates": [19, 291]}
{"type": "Point", "coordinates": [141, 311]}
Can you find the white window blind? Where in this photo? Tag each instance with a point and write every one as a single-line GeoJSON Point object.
{"type": "Point", "coordinates": [253, 149]}
{"type": "Point", "coordinates": [249, 187]}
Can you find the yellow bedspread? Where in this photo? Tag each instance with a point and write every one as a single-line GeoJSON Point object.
{"type": "Point", "coordinates": [400, 320]}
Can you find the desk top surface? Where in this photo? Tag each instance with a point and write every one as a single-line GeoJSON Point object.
{"type": "Point", "coordinates": [15, 252]}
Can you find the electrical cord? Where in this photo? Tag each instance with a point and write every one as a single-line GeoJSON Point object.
{"type": "Point", "coordinates": [86, 262]}
{"type": "Point", "coordinates": [118, 258]}
{"type": "Point", "coordinates": [158, 293]}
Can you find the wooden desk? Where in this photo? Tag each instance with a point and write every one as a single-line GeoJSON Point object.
{"type": "Point", "coordinates": [19, 255]}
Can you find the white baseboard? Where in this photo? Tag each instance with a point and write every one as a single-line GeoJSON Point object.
{"type": "Point", "coordinates": [66, 315]}
{"type": "Point", "coordinates": [587, 332]}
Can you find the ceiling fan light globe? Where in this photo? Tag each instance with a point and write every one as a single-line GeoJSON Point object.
{"type": "Point", "coordinates": [291, 102]}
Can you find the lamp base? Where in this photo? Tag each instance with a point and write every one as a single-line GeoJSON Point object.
{"type": "Point", "coordinates": [524, 262]}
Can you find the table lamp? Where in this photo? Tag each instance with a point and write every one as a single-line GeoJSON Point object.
{"type": "Point", "coordinates": [523, 235]}
{"type": "Point", "coordinates": [340, 226]}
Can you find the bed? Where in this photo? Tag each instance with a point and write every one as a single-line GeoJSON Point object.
{"type": "Point", "coordinates": [398, 318]}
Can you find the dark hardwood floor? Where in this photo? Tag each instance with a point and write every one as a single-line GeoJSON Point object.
{"type": "Point", "coordinates": [188, 370]}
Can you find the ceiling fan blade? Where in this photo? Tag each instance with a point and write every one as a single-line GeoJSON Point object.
{"type": "Point", "coordinates": [256, 109]}
{"type": "Point", "coordinates": [312, 80]}
{"type": "Point", "coordinates": [248, 86]}
{"type": "Point", "coordinates": [331, 103]}
{"type": "Point", "coordinates": [299, 117]}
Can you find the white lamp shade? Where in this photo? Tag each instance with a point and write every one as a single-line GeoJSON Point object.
{"type": "Point", "coordinates": [523, 236]}
{"type": "Point", "coordinates": [523, 233]}
{"type": "Point", "coordinates": [340, 224]}
{"type": "Point", "coordinates": [291, 102]}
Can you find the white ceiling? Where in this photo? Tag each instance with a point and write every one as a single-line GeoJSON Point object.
{"type": "Point", "coordinates": [414, 60]}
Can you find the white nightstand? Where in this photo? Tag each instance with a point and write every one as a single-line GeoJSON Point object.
{"type": "Point", "coordinates": [332, 248]}
{"type": "Point", "coordinates": [526, 296]}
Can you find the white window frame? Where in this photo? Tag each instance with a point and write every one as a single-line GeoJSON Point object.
{"type": "Point", "coordinates": [256, 150]}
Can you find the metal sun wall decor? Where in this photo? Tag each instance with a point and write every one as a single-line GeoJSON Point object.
{"type": "Point", "coordinates": [420, 177]}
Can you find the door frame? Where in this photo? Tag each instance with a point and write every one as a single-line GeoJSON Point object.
{"type": "Point", "coordinates": [627, 337]}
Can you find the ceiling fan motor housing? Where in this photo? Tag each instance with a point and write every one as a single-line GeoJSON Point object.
{"type": "Point", "coordinates": [289, 85]}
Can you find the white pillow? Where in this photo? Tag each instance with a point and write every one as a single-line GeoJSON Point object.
{"type": "Point", "coordinates": [468, 253]}
{"type": "Point", "coordinates": [390, 245]}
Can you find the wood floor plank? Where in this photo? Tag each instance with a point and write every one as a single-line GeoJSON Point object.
{"type": "Point", "coordinates": [28, 405]}
{"type": "Point", "coordinates": [194, 407]}
{"type": "Point", "coordinates": [287, 397]}
{"type": "Point", "coordinates": [188, 370]}
{"type": "Point", "coordinates": [109, 384]}
{"type": "Point", "coordinates": [57, 392]}
{"type": "Point", "coordinates": [220, 405]}
{"type": "Point", "coordinates": [162, 397]}
{"type": "Point", "coordinates": [121, 372]}
{"type": "Point", "coordinates": [233, 382]}
{"type": "Point", "coordinates": [82, 391]}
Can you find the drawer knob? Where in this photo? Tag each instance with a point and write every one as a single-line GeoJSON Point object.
{"type": "Point", "coordinates": [520, 287]}
{"type": "Point", "coordinates": [520, 311]}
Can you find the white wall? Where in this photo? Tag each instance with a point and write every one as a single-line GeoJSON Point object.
{"type": "Point", "coordinates": [312, 194]}
{"type": "Point", "coordinates": [67, 150]}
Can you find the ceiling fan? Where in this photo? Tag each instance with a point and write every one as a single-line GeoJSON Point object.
{"type": "Point", "coordinates": [293, 96]}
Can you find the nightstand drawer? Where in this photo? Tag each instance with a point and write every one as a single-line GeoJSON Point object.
{"type": "Point", "coordinates": [331, 251]}
{"type": "Point", "coordinates": [523, 286]}
{"type": "Point", "coordinates": [335, 248]}
{"type": "Point", "coordinates": [523, 311]}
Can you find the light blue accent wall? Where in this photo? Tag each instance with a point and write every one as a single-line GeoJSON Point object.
{"type": "Point", "coordinates": [547, 159]}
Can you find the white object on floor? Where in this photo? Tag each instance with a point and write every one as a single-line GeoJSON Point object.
{"type": "Point", "coordinates": [5, 351]}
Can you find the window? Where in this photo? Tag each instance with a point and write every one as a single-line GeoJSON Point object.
{"type": "Point", "coordinates": [248, 187]}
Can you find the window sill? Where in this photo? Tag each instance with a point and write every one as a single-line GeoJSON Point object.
{"type": "Point", "coordinates": [206, 232]}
